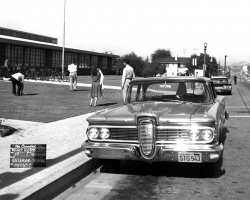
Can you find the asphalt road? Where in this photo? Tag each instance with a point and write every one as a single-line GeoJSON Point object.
{"type": "Point", "coordinates": [136, 180]}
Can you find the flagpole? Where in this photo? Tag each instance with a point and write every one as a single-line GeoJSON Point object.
{"type": "Point", "coordinates": [63, 38]}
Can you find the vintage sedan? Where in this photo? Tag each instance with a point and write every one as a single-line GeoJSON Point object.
{"type": "Point", "coordinates": [222, 84]}
{"type": "Point", "coordinates": [165, 119]}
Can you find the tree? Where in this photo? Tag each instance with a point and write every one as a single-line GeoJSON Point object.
{"type": "Point", "coordinates": [211, 65]}
{"type": "Point", "coordinates": [118, 66]}
{"type": "Point", "coordinates": [136, 62]}
{"type": "Point", "coordinates": [160, 53]}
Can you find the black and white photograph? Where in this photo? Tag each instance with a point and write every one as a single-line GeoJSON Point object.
{"type": "Point", "coordinates": [124, 99]}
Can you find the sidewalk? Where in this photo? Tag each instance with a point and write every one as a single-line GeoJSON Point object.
{"type": "Point", "coordinates": [64, 154]}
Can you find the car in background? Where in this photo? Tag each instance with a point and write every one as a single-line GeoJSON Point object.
{"type": "Point", "coordinates": [165, 119]}
{"type": "Point", "coordinates": [222, 84]}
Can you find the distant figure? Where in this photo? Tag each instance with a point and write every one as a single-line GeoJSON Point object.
{"type": "Point", "coordinates": [6, 68]}
{"type": "Point", "coordinates": [101, 81]}
{"type": "Point", "coordinates": [72, 68]}
{"type": "Point", "coordinates": [17, 79]}
{"type": "Point", "coordinates": [127, 76]}
{"type": "Point", "coordinates": [96, 76]}
{"type": "Point", "coordinates": [235, 79]}
{"type": "Point", "coordinates": [196, 74]}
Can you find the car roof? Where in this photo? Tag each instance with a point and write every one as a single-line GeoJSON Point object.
{"type": "Point", "coordinates": [218, 77]}
{"type": "Point", "coordinates": [170, 78]}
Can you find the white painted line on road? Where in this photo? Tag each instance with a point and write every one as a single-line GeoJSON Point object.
{"type": "Point", "coordinates": [237, 106]}
{"type": "Point", "coordinates": [239, 116]}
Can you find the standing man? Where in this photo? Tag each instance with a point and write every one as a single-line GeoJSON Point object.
{"type": "Point", "coordinates": [17, 79]}
{"type": "Point", "coordinates": [6, 68]}
{"type": "Point", "coordinates": [72, 68]}
{"type": "Point", "coordinates": [235, 79]}
{"type": "Point", "coordinates": [127, 76]}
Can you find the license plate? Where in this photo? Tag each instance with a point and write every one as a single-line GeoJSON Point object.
{"type": "Point", "coordinates": [189, 157]}
{"type": "Point", "coordinates": [218, 90]}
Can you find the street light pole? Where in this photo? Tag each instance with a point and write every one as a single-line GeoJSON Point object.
{"type": "Point", "coordinates": [225, 65]}
{"type": "Point", "coordinates": [204, 66]}
{"type": "Point", "coordinates": [63, 38]}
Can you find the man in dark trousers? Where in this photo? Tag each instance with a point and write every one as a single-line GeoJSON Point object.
{"type": "Point", "coordinates": [17, 79]}
{"type": "Point", "coordinates": [235, 79]}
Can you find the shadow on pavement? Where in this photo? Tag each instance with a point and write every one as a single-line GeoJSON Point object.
{"type": "Point", "coordinates": [9, 178]}
{"type": "Point", "coordinates": [31, 94]}
{"type": "Point", "coordinates": [106, 104]}
{"type": "Point", "coordinates": [79, 90]}
{"type": "Point", "coordinates": [9, 196]}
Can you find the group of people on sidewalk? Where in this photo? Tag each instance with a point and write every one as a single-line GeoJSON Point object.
{"type": "Point", "coordinates": [97, 76]}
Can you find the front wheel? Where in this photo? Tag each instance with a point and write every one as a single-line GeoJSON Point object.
{"type": "Point", "coordinates": [110, 165]}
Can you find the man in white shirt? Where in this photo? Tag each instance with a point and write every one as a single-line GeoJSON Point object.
{"type": "Point", "coordinates": [127, 76]}
{"type": "Point", "coordinates": [17, 79]}
{"type": "Point", "coordinates": [72, 68]}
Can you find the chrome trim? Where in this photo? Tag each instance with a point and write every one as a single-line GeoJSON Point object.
{"type": "Point", "coordinates": [183, 127]}
{"type": "Point", "coordinates": [110, 140]}
{"type": "Point", "coordinates": [108, 126]}
{"type": "Point", "coordinates": [153, 150]}
{"type": "Point", "coordinates": [186, 128]}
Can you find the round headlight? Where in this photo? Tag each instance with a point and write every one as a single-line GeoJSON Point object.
{"type": "Point", "coordinates": [194, 135]}
{"type": "Point", "coordinates": [104, 133]}
{"type": "Point", "coordinates": [207, 135]}
{"type": "Point", "coordinates": [93, 133]}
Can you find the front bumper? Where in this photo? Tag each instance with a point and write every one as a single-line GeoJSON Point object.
{"type": "Point", "coordinates": [163, 152]}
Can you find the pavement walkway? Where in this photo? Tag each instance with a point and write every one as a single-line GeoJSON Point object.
{"type": "Point", "coordinates": [63, 139]}
{"type": "Point", "coordinates": [64, 153]}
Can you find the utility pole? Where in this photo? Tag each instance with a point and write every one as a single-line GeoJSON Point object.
{"type": "Point", "coordinates": [225, 65]}
{"type": "Point", "coordinates": [63, 38]}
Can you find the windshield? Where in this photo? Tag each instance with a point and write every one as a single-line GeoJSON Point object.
{"type": "Point", "coordinates": [219, 80]}
{"type": "Point", "coordinates": [191, 91]}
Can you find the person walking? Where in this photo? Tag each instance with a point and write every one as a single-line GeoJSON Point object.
{"type": "Point", "coordinates": [17, 79]}
{"type": "Point", "coordinates": [235, 79]}
{"type": "Point", "coordinates": [101, 81]}
{"type": "Point", "coordinates": [127, 76]}
{"type": "Point", "coordinates": [96, 76]}
{"type": "Point", "coordinates": [72, 68]}
{"type": "Point", "coordinates": [6, 68]}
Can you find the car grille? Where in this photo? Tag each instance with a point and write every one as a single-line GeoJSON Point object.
{"type": "Point", "coordinates": [172, 135]}
{"type": "Point", "coordinates": [123, 134]}
{"type": "Point", "coordinates": [146, 134]}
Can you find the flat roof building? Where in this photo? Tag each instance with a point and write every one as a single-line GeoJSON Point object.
{"type": "Point", "coordinates": [23, 49]}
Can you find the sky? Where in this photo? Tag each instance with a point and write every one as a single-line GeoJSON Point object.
{"type": "Point", "coordinates": [139, 26]}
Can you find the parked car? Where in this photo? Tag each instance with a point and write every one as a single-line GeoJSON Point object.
{"type": "Point", "coordinates": [172, 119]}
{"type": "Point", "coordinates": [222, 84]}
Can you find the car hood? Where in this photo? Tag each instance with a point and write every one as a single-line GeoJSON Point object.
{"type": "Point", "coordinates": [163, 112]}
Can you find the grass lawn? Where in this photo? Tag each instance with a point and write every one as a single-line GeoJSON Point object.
{"type": "Point", "coordinates": [108, 80]}
{"type": "Point", "coordinates": [43, 102]}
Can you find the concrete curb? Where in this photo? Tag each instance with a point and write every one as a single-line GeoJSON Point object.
{"type": "Point", "coordinates": [58, 182]}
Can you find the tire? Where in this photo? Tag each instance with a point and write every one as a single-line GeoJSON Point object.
{"type": "Point", "coordinates": [110, 165]}
{"type": "Point", "coordinates": [208, 170]}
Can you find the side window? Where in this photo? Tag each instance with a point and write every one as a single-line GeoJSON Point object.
{"type": "Point", "coordinates": [133, 94]}
{"type": "Point", "coordinates": [213, 92]}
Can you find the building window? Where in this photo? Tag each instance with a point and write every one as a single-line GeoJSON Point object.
{"type": "Point", "coordinates": [87, 61]}
{"type": "Point", "coordinates": [94, 61]}
{"type": "Point", "coordinates": [27, 56]}
{"type": "Point", "coordinates": [104, 63]}
{"type": "Point", "coordinates": [56, 59]}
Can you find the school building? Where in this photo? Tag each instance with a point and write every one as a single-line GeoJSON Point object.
{"type": "Point", "coordinates": [31, 50]}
